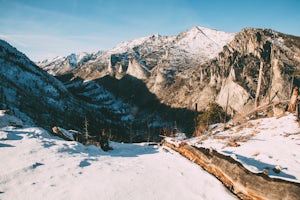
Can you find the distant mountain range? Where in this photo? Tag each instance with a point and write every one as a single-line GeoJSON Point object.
{"type": "Point", "coordinates": [142, 85]}
{"type": "Point", "coordinates": [191, 47]}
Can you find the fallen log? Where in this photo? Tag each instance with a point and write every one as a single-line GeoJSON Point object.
{"type": "Point", "coordinates": [259, 108]}
{"type": "Point", "coordinates": [242, 182]}
{"type": "Point", "coordinates": [62, 133]}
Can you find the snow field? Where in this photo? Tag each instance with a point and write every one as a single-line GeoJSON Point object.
{"type": "Point", "coordinates": [36, 165]}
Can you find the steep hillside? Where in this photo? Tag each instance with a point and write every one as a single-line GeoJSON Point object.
{"type": "Point", "coordinates": [25, 87]}
{"type": "Point", "coordinates": [38, 98]}
{"type": "Point", "coordinates": [139, 110]}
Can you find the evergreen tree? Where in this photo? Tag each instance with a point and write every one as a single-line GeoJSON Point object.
{"type": "Point", "coordinates": [86, 132]}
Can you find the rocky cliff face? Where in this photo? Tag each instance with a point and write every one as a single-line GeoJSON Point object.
{"type": "Point", "coordinates": [233, 75]}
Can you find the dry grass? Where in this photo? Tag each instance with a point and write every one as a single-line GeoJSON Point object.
{"type": "Point", "coordinates": [254, 132]}
{"type": "Point", "coordinates": [220, 137]}
{"type": "Point", "coordinates": [200, 130]}
{"type": "Point", "coordinates": [250, 125]}
{"type": "Point", "coordinates": [233, 144]}
{"type": "Point", "coordinates": [255, 154]}
{"type": "Point", "coordinates": [239, 128]}
{"type": "Point", "coordinates": [289, 134]}
{"type": "Point", "coordinates": [242, 126]}
{"type": "Point", "coordinates": [202, 138]}
{"type": "Point", "coordinates": [234, 141]}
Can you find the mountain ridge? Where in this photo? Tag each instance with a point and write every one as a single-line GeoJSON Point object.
{"type": "Point", "coordinates": [162, 68]}
{"type": "Point", "coordinates": [162, 46]}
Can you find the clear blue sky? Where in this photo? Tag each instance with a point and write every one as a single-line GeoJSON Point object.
{"type": "Point", "coordinates": [48, 28]}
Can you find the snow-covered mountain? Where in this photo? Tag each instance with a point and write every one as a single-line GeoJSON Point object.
{"type": "Point", "coordinates": [136, 64]}
{"type": "Point", "coordinates": [184, 50]}
{"type": "Point", "coordinates": [62, 65]}
{"type": "Point", "coordinates": [200, 65]}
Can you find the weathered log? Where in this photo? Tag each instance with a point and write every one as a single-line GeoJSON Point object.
{"type": "Point", "coordinates": [239, 180]}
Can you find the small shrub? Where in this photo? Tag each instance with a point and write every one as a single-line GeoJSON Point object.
{"type": "Point", "coordinates": [214, 114]}
{"type": "Point", "coordinates": [200, 129]}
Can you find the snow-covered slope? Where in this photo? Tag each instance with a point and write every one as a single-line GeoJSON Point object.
{"type": "Point", "coordinates": [24, 86]}
{"type": "Point", "coordinates": [36, 165]}
{"type": "Point", "coordinates": [265, 144]}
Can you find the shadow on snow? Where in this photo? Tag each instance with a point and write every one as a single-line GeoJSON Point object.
{"type": "Point", "coordinates": [261, 166]}
{"type": "Point", "coordinates": [119, 150]}
{"type": "Point", "coordinates": [5, 145]}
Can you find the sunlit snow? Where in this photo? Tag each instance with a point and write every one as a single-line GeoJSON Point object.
{"type": "Point", "coordinates": [36, 165]}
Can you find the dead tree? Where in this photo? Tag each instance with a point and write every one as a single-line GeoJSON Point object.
{"type": "Point", "coordinates": [86, 132]}
{"type": "Point", "coordinates": [226, 110]}
{"type": "Point", "coordinates": [293, 101]}
{"type": "Point", "coordinates": [148, 130]}
{"type": "Point", "coordinates": [260, 75]}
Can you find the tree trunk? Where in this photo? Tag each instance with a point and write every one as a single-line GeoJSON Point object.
{"type": "Point", "coordinates": [259, 82]}
{"type": "Point", "coordinates": [293, 102]}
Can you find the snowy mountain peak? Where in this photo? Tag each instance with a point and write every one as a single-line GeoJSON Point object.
{"type": "Point", "coordinates": [197, 29]}
{"type": "Point", "coordinates": [61, 65]}
{"type": "Point", "coordinates": [203, 41]}
{"type": "Point", "coordinates": [75, 59]}
{"type": "Point", "coordinates": [128, 45]}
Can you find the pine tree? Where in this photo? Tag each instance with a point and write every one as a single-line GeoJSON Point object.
{"type": "Point", "coordinates": [86, 132]}
{"type": "Point", "coordinates": [3, 100]}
